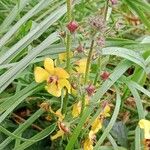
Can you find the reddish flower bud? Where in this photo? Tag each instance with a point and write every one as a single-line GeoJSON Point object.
{"type": "Point", "coordinates": [72, 26]}
{"type": "Point", "coordinates": [80, 49]}
{"type": "Point", "coordinates": [64, 127]}
{"type": "Point", "coordinates": [105, 75]}
{"type": "Point", "coordinates": [90, 90]}
{"type": "Point", "coordinates": [114, 2]}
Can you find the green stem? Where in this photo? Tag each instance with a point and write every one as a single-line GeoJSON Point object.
{"type": "Point", "coordinates": [106, 9]}
{"type": "Point", "coordinates": [65, 103]}
{"type": "Point", "coordinates": [98, 70]}
{"type": "Point", "coordinates": [87, 73]}
{"type": "Point", "coordinates": [88, 62]}
{"type": "Point", "coordinates": [68, 44]}
{"type": "Point", "coordinates": [83, 104]}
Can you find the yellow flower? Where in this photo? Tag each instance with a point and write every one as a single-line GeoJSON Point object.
{"type": "Point", "coordinates": [96, 125]}
{"type": "Point", "coordinates": [56, 77]}
{"type": "Point", "coordinates": [145, 124]}
{"type": "Point", "coordinates": [57, 135]}
{"type": "Point", "coordinates": [81, 65]}
{"type": "Point", "coordinates": [76, 109]}
{"type": "Point", "coordinates": [105, 112]}
{"type": "Point", "coordinates": [62, 127]}
{"type": "Point", "coordinates": [88, 144]}
{"type": "Point", "coordinates": [63, 56]}
{"type": "Point", "coordinates": [59, 115]}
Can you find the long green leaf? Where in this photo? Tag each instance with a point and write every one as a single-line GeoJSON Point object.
{"type": "Point", "coordinates": [111, 123]}
{"type": "Point", "coordinates": [22, 127]}
{"type": "Point", "coordinates": [18, 100]}
{"type": "Point", "coordinates": [138, 101]}
{"type": "Point", "coordinates": [33, 34]}
{"type": "Point", "coordinates": [13, 14]}
{"type": "Point", "coordinates": [11, 74]}
{"type": "Point", "coordinates": [139, 12]}
{"type": "Point", "coordinates": [133, 56]}
{"type": "Point", "coordinates": [43, 134]}
{"type": "Point", "coordinates": [41, 5]}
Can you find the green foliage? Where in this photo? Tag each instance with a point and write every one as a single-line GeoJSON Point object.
{"type": "Point", "coordinates": [29, 31]}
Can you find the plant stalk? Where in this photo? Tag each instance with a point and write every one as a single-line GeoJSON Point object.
{"type": "Point", "coordinates": [68, 44]}
{"type": "Point", "coordinates": [88, 62]}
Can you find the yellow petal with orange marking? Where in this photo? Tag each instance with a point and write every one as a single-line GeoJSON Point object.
{"type": "Point", "coordinates": [145, 124]}
{"type": "Point", "coordinates": [49, 65]}
{"type": "Point", "coordinates": [53, 89]}
{"type": "Point", "coordinates": [57, 135]}
{"type": "Point", "coordinates": [40, 74]}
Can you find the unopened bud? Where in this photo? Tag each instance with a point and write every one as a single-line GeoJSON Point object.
{"type": "Point", "coordinates": [114, 2]}
{"type": "Point", "coordinates": [72, 26]}
{"type": "Point", "coordinates": [90, 90]}
{"type": "Point", "coordinates": [105, 75]}
{"type": "Point", "coordinates": [80, 49]}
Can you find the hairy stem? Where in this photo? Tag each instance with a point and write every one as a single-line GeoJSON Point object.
{"type": "Point", "coordinates": [88, 62]}
{"type": "Point", "coordinates": [68, 44]}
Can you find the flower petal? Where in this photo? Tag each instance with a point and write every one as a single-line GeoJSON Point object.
{"type": "Point", "coordinates": [61, 73]}
{"type": "Point", "coordinates": [76, 109]}
{"type": "Point", "coordinates": [57, 135]}
{"type": "Point", "coordinates": [59, 115]}
{"type": "Point", "coordinates": [49, 65]}
{"type": "Point", "coordinates": [145, 124]}
{"type": "Point", "coordinates": [63, 56]}
{"type": "Point", "coordinates": [53, 89]}
{"type": "Point", "coordinates": [81, 65]}
{"type": "Point", "coordinates": [96, 125]}
{"type": "Point", "coordinates": [88, 144]}
{"type": "Point", "coordinates": [106, 111]}
{"type": "Point", "coordinates": [40, 74]}
{"type": "Point", "coordinates": [64, 83]}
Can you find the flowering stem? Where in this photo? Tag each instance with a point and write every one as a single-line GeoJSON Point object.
{"type": "Point", "coordinates": [83, 104]}
{"type": "Point", "coordinates": [99, 58]}
{"type": "Point", "coordinates": [88, 62]}
{"type": "Point", "coordinates": [68, 44]}
{"type": "Point", "coordinates": [68, 49]}
{"type": "Point", "coordinates": [106, 9]}
{"type": "Point", "coordinates": [87, 73]}
{"type": "Point", "coordinates": [98, 70]}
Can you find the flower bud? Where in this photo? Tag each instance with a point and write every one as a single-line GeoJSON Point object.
{"type": "Point", "coordinates": [114, 2]}
{"type": "Point", "coordinates": [101, 41]}
{"type": "Point", "coordinates": [98, 23]}
{"type": "Point", "coordinates": [90, 90]}
{"type": "Point", "coordinates": [105, 75]}
{"type": "Point", "coordinates": [80, 49]}
{"type": "Point", "coordinates": [64, 127]}
{"type": "Point", "coordinates": [72, 26]}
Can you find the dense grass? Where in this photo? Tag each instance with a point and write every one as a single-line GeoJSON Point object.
{"type": "Point", "coordinates": [117, 53]}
